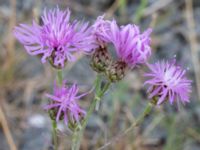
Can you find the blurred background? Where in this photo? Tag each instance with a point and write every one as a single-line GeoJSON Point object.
{"type": "Point", "coordinates": [24, 125]}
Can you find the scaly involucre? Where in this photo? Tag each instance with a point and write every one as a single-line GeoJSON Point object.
{"type": "Point", "coordinates": [65, 101]}
{"type": "Point", "coordinates": [131, 46]}
{"type": "Point", "coordinates": [57, 38]}
{"type": "Point", "coordinates": [168, 82]}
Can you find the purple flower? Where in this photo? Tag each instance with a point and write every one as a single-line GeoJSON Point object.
{"type": "Point", "coordinates": [168, 82]}
{"type": "Point", "coordinates": [101, 31]}
{"type": "Point", "coordinates": [131, 46]}
{"type": "Point", "coordinates": [56, 39]}
{"type": "Point", "coordinates": [65, 101]}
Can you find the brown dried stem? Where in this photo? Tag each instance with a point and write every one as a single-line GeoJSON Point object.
{"type": "Point", "coordinates": [6, 130]}
{"type": "Point", "coordinates": [192, 37]}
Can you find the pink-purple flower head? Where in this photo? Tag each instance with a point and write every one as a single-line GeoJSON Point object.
{"type": "Point", "coordinates": [57, 38]}
{"type": "Point", "coordinates": [132, 47]}
{"type": "Point", "coordinates": [101, 31]}
{"type": "Point", "coordinates": [167, 81]}
{"type": "Point", "coordinates": [65, 101]}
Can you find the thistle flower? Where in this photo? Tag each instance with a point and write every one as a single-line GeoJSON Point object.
{"type": "Point", "coordinates": [101, 58]}
{"type": "Point", "coordinates": [168, 82]}
{"type": "Point", "coordinates": [65, 102]}
{"type": "Point", "coordinates": [56, 39]}
{"type": "Point", "coordinates": [131, 46]}
{"type": "Point", "coordinates": [101, 30]}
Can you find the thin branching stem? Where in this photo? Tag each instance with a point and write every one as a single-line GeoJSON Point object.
{"type": "Point", "coordinates": [54, 134]}
{"type": "Point", "coordinates": [78, 134]}
{"type": "Point", "coordinates": [140, 119]}
{"type": "Point", "coordinates": [59, 78]}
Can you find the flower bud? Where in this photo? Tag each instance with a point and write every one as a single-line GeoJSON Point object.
{"type": "Point", "coordinates": [116, 71]}
{"type": "Point", "coordinates": [101, 59]}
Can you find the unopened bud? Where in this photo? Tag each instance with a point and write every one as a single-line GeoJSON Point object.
{"type": "Point", "coordinates": [101, 59]}
{"type": "Point", "coordinates": [116, 71]}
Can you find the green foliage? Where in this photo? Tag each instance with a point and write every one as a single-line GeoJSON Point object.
{"type": "Point", "coordinates": [139, 12]}
{"type": "Point", "coordinates": [175, 134]}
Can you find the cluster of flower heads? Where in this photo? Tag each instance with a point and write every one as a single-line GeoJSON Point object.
{"type": "Point", "coordinates": [58, 38]}
{"type": "Point", "coordinates": [132, 47]}
{"type": "Point", "coordinates": [167, 80]}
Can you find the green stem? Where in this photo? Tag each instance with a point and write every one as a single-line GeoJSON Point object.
{"type": "Point", "coordinates": [140, 11]}
{"type": "Point", "coordinates": [145, 113]}
{"type": "Point", "coordinates": [140, 119]}
{"type": "Point", "coordinates": [75, 141]}
{"type": "Point", "coordinates": [54, 124]}
{"type": "Point", "coordinates": [78, 134]}
{"type": "Point", "coordinates": [97, 98]}
{"type": "Point", "coordinates": [54, 135]}
{"type": "Point", "coordinates": [59, 77]}
{"type": "Point", "coordinates": [100, 94]}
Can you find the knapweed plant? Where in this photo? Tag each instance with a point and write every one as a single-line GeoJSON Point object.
{"type": "Point", "coordinates": [58, 38]}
